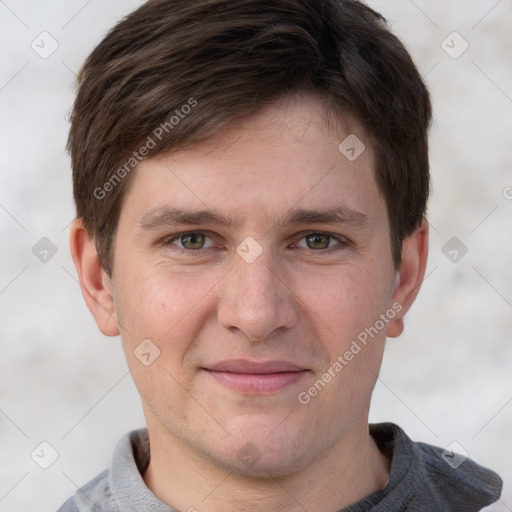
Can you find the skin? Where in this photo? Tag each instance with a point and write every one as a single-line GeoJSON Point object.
{"type": "Point", "coordinates": [303, 300]}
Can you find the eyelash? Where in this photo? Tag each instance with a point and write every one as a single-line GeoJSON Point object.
{"type": "Point", "coordinates": [341, 243]}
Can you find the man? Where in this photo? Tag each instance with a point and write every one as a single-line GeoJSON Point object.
{"type": "Point", "coordinates": [251, 179]}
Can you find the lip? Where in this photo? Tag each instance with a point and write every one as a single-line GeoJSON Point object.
{"type": "Point", "coordinates": [254, 367]}
{"type": "Point", "coordinates": [256, 377]}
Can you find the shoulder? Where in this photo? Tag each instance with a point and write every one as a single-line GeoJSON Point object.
{"type": "Point", "coordinates": [69, 506]}
{"type": "Point", "coordinates": [429, 478]}
{"type": "Point", "coordinates": [113, 488]}
{"type": "Point", "coordinates": [456, 477]}
{"type": "Point", "coordinates": [95, 496]}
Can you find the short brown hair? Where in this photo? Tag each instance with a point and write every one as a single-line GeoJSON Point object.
{"type": "Point", "coordinates": [184, 68]}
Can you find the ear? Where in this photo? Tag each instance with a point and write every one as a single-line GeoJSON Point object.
{"type": "Point", "coordinates": [94, 281]}
{"type": "Point", "coordinates": [409, 277]}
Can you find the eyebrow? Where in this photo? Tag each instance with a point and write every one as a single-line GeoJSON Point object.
{"type": "Point", "coordinates": [338, 215]}
{"type": "Point", "coordinates": [164, 216]}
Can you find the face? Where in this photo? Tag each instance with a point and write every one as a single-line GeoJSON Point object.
{"type": "Point", "coordinates": [258, 264]}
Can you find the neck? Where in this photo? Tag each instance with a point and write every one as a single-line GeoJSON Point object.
{"type": "Point", "coordinates": [349, 471]}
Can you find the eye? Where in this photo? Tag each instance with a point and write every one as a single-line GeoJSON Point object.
{"type": "Point", "coordinates": [192, 241]}
{"type": "Point", "coordinates": [319, 241]}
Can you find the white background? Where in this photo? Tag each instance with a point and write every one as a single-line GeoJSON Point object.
{"type": "Point", "coordinates": [448, 378]}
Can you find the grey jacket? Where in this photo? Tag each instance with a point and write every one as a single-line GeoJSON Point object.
{"type": "Point", "coordinates": [422, 479]}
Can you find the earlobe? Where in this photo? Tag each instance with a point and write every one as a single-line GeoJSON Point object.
{"type": "Point", "coordinates": [410, 276]}
{"type": "Point", "coordinates": [94, 282]}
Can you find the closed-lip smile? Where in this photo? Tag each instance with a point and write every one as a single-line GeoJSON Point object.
{"type": "Point", "coordinates": [256, 377]}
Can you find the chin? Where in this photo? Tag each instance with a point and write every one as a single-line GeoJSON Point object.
{"type": "Point", "coordinates": [258, 449]}
{"type": "Point", "coordinates": [251, 462]}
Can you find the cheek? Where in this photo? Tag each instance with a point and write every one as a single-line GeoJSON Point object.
{"type": "Point", "coordinates": [164, 305]}
{"type": "Point", "coordinates": [344, 306]}
{"type": "Point", "coordinates": [345, 301]}
{"type": "Point", "coordinates": [168, 308]}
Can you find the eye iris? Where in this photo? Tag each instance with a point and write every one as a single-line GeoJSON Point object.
{"type": "Point", "coordinates": [193, 241]}
{"type": "Point", "coordinates": [318, 241]}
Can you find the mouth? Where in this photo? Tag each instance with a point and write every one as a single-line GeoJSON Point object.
{"type": "Point", "coordinates": [256, 377]}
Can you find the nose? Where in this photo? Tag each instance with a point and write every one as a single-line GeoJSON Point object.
{"type": "Point", "coordinates": [256, 299]}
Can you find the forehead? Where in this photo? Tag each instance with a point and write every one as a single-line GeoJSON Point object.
{"type": "Point", "coordinates": [262, 165]}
